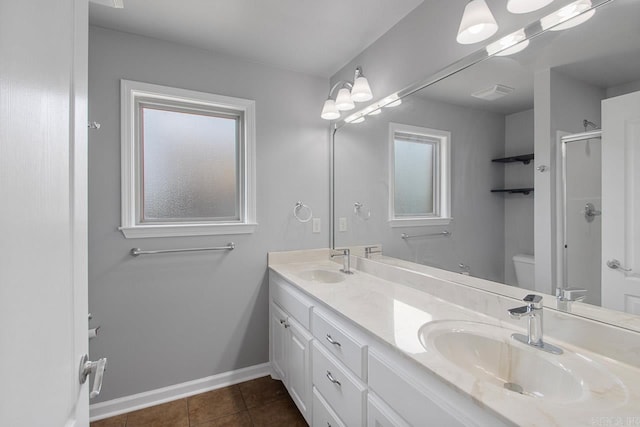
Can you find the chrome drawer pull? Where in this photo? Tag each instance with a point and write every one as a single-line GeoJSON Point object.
{"type": "Point", "coordinates": [333, 380]}
{"type": "Point", "coordinates": [284, 323]}
{"type": "Point", "coordinates": [332, 341]}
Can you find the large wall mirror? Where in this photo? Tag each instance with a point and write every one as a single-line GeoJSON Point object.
{"type": "Point", "coordinates": [525, 169]}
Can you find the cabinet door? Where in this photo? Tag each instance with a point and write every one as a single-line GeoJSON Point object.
{"type": "Point", "coordinates": [299, 367]}
{"type": "Point", "coordinates": [380, 415]}
{"type": "Point", "coordinates": [278, 344]}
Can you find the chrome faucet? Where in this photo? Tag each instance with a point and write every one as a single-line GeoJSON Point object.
{"type": "Point", "coordinates": [346, 259]}
{"type": "Point", "coordinates": [571, 294]}
{"type": "Point", "coordinates": [533, 312]}
{"type": "Point", "coordinates": [370, 250]}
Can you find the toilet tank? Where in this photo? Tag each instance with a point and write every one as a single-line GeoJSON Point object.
{"type": "Point", "coordinates": [525, 270]}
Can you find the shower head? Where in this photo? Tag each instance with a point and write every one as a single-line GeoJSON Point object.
{"type": "Point", "coordinates": [586, 123]}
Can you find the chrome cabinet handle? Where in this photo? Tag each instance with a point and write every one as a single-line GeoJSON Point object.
{"type": "Point", "coordinates": [614, 264]}
{"type": "Point", "coordinates": [332, 341]}
{"type": "Point", "coordinates": [284, 323]}
{"type": "Point", "coordinates": [333, 380]}
{"type": "Point", "coordinates": [88, 367]}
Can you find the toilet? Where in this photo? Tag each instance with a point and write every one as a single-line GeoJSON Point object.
{"type": "Point", "coordinates": [525, 270]}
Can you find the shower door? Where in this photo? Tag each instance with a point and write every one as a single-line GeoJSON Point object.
{"type": "Point", "coordinates": [582, 159]}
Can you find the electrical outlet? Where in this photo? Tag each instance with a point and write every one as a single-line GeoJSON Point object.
{"type": "Point", "coordinates": [342, 224]}
{"type": "Point", "coordinates": [316, 225]}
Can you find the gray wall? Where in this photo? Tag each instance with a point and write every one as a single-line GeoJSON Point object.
{"type": "Point", "coordinates": [172, 318]}
{"type": "Point", "coordinates": [478, 227]}
{"type": "Point", "coordinates": [518, 208]}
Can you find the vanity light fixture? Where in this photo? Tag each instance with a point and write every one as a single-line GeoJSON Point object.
{"type": "Point", "coordinates": [568, 16]}
{"type": "Point", "coordinates": [355, 118]}
{"type": "Point", "coordinates": [526, 6]}
{"type": "Point", "coordinates": [391, 101]}
{"type": "Point", "coordinates": [358, 91]}
{"type": "Point", "coordinates": [509, 44]}
{"type": "Point", "coordinates": [477, 23]}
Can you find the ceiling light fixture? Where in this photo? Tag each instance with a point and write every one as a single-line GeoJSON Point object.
{"type": "Point", "coordinates": [477, 23]}
{"type": "Point", "coordinates": [568, 16]}
{"type": "Point", "coordinates": [358, 91]}
{"type": "Point", "coordinates": [508, 45]}
{"type": "Point", "coordinates": [526, 6]}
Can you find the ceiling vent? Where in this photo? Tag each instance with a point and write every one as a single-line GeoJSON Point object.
{"type": "Point", "coordinates": [493, 93]}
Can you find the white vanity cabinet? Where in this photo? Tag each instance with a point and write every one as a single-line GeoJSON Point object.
{"type": "Point", "coordinates": [340, 375]}
{"type": "Point", "coordinates": [290, 342]}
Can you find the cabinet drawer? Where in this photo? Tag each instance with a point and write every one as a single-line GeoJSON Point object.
{"type": "Point", "coordinates": [345, 348]}
{"type": "Point", "coordinates": [341, 389]}
{"type": "Point", "coordinates": [405, 398]}
{"type": "Point", "coordinates": [292, 301]}
{"type": "Point", "coordinates": [323, 415]}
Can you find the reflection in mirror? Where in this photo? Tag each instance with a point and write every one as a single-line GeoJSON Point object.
{"type": "Point", "coordinates": [543, 152]}
{"type": "Point", "coordinates": [418, 175]}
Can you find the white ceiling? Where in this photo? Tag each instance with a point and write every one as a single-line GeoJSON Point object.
{"type": "Point", "coordinates": [314, 37]}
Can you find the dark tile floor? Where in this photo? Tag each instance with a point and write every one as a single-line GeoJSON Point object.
{"type": "Point", "coordinates": [262, 402]}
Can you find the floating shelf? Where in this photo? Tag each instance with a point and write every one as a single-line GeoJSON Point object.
{"type": "Point", "coordinates": [524, 158]}
{"type": "Point", "coordinates": [524, 191]}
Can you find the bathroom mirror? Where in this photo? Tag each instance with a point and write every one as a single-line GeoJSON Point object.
{"type": "Point", "coordinates": [532, 200]}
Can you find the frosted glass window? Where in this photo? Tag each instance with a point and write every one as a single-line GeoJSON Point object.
{"type": "Point", "coordinates": [188, 162]}
{"type": "Point", "coordinates": [419, 176]}
{"type": "Point", "coordinates": [414, 176]}
{"type": "Point", "coordinates": [190, 166]}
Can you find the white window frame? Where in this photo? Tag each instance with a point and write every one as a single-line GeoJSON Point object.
{"type": "Point", "coordinates": [131, 93]}
{"type": "Point", "coordinates": [442, 205]}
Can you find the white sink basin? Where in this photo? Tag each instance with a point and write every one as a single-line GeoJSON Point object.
{"type": "Point", "coordinates": [322, 276]}
{"type": "Point", "coordinates": [488, 353]}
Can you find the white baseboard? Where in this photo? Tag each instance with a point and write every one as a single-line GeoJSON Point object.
{"type": "Point", "coordinates": [134, 402]}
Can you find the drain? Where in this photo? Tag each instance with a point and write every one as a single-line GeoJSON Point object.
{"type": "Point", "coordinates": [514, 387]}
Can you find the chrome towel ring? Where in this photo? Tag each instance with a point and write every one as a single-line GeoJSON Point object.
{"type": "Point", "coordinates": [301, 207]}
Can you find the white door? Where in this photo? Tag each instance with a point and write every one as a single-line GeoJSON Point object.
{"type": "Point", "coordinates": [43, 212]}
{"type": "Point", "coordinates": [621, 203]}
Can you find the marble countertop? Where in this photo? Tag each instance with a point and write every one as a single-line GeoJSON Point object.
{"type": "Point", "coordinates": [394, 312]}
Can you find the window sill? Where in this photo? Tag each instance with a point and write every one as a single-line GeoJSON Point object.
{"type": "Point", "coordinates": [418, 222]}
{"type": "Point", "coordinates": [182, 230]}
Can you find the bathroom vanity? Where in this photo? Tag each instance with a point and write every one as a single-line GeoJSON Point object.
{"type": "Point", "coordinates": [390, 346]}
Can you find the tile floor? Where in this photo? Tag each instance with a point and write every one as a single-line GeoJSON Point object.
{"type": "Point", "coordinates": [262, 402]}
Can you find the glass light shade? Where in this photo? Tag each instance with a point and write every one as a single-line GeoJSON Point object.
{"type": "Point", "coordinates": [508, 45]}
{"type": "Point", "coordinates": [394, 103]}
{"type": "Point", "coordinates": [344, 101]}
{"type": "Point", "coordinates": [354, 118]}
{"type": "Point", "coordinates": [477, 23]}
{"type": "Point", "coordinates": [569, 16]}
{"type": "Point", "coordinates": [329, 110]}
{"type": "Point", "coordinates": [361, 91]}
{"type": "Point", "coordinates": [526, 6]}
